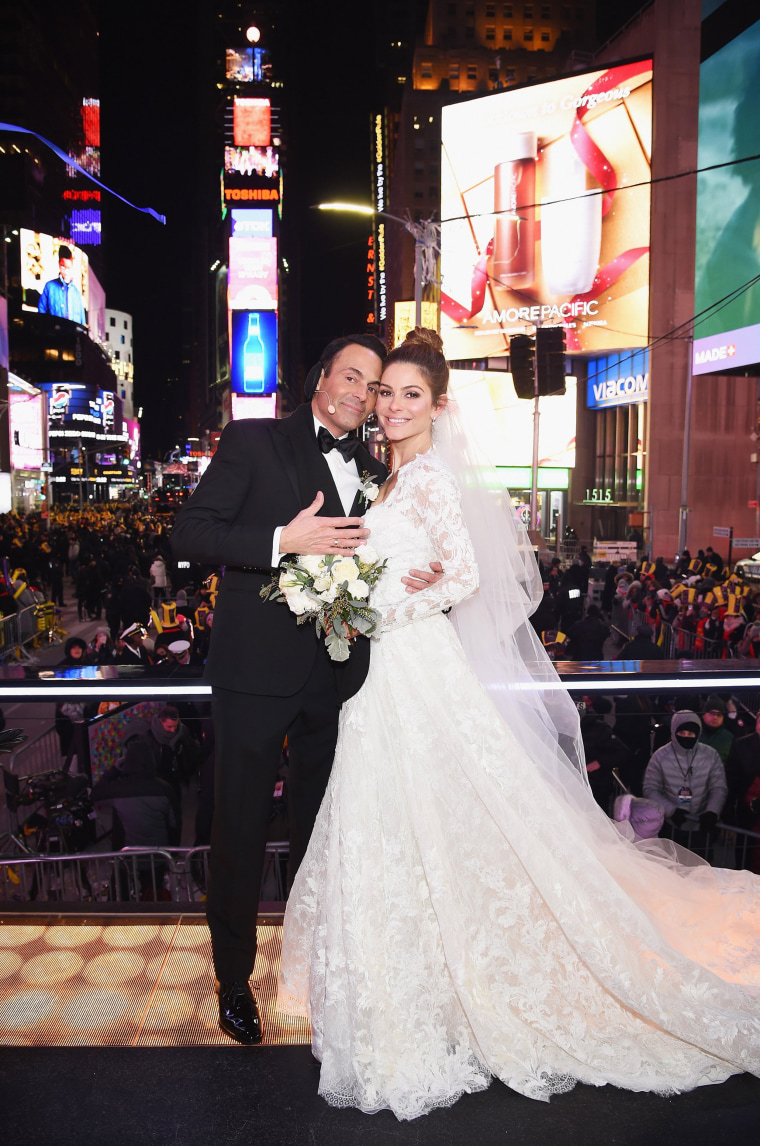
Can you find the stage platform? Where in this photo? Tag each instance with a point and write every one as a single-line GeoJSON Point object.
{"type": "Point", "coordinates": [129, 981]}
{"type": "Point", "coordinates": [108, 1033]}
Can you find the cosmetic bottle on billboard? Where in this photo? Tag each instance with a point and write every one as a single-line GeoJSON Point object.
{"type": "Point", "coordinates": [254, 362]}
{"type": "Point", "coordinates": [571, 222]}
{"type": "Point", "coordinates": [514, 196]}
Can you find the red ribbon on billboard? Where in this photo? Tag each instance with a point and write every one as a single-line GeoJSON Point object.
{"type": "Point", "coordinates": [604, 279]}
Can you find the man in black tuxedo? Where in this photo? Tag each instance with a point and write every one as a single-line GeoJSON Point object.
{"type": "Point", "coordinates": [276, 487]}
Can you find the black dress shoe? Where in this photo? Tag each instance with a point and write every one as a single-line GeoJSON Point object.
{"type": "Point", "coordinates": [238, 1014]}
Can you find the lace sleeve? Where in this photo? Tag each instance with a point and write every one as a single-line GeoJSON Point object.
{"type": "Point", "coordinates": [431, 494]}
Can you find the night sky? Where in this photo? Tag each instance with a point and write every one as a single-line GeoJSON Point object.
{"type": "Point", "coordinates": [159, 104]}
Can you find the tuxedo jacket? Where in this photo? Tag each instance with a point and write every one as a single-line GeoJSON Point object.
{"type": "Point", "coordinates": [264, 472]}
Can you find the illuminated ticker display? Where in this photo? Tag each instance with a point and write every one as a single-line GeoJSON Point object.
{"type": "Point", "coordinates": [253, 274]}
{"type": "Point", "coordinates": [252, 122]}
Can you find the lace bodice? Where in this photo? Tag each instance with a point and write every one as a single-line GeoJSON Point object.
{"type": "Point", "coordinates": [420, 522]}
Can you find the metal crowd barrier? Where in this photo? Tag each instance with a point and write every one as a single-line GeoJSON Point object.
{"type": "Point", "coordinates": [27, 626]}
{"type": "Point", "coordinates": [133, 875]}
{"type": "Point", "coordinates": [676, 644]}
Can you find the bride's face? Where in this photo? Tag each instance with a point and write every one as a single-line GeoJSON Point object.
{"type": "Point", "coordinates": [404, 403]}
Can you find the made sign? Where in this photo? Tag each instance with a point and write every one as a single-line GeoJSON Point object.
{"type": "Point", "coordinates": [746, 543]}
{"type": "Point", "coordinates": [723, 531]}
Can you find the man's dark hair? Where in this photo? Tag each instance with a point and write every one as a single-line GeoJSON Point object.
{"type": "Point", "coordinates": [168, 712]}
{"type": "Point", "coordinates": [333, 349]}
{"type": "Point", "coordinates": [64, 252]}
{"type": "Point", "coordinates": [593, 611]}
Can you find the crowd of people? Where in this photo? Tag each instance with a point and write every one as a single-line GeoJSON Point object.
{"type": "Point", "coordinates": [697, 605]}
{"type": "Point", "coordinates": [116, 562]}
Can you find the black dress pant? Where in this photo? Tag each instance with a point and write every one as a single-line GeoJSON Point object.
{"type": "Point", "coordinates": [250, 731]}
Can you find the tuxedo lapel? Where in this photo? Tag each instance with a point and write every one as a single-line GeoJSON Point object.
{"type": "Point", "coordinates": [307, 463]}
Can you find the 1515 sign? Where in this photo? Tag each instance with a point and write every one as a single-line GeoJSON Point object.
{"type": "Point", "coordinates": [598, 495]}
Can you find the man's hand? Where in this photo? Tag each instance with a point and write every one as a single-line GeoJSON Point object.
{"type": "Point", "coordinates": [420, 579]}
{"type": "Point", "coordinates": [307, 533]}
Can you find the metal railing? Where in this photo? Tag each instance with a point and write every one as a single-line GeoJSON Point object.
{"type": "Point", "coordinates": [33, 624]}
{"type": "Point", "coordinates": [676, 644]}
{"type": "Point", "coordinates": [133, 875]}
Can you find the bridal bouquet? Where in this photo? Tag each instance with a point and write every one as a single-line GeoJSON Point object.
{"type": "Point", "coordinates": [333, 592]}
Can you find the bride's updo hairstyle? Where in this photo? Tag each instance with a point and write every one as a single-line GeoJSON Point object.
{"type": "Point", "coordinates": [423, 348]}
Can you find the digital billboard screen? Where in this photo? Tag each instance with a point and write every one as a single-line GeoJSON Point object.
{"type": "Point", "coordinates": [545, 203]}
{"type": "Point", "coordinates": [251, 222]}
{"type": "Point", "coordinates": [253, 352]}
{"type": "Point", "coordinates": [243, 407]}
{"type": "Point", "coordinates": [78, 409]}
{"type": "Point", "coordinates": [248, 65]}
{"type": "Point", "coordinates": [27, 432]}
{"type": "Point", "coordinates": [252, 122]}
{"type": "Point", "coordinates": [261, 161]}
{"type": "Point", "coordinates": [728, 208]}
{"type": "Point", "coordinates": [54, 276]}
{"type": "Point", "coordinates": [253, 274]}
{"type": "Point", "coordinates": [505, 422]}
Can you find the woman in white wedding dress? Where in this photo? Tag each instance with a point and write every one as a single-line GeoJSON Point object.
{"type": "Point", "coordinates": [465, 910]}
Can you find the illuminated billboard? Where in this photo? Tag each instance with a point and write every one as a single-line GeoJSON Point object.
{"type": "Point", "coordinates": [728, 208]}
{"type": "Point", "coordinates": [243, 407]}
{"type": "Point", "coordinates": [54, 276]}
{"type": "Point", "coordinates": [545, 206]}
{"type": "Point", "coordinates": [505, 422]}
{"type": "Point", "coordinates": [261, 161]}
{"type": "Point", "coordinates": [27, 430]}
{"type": "Point", "coordinates": [618, 380]}
{"type": "Point", "coordinates": [77, 409]}
{"type": "Point", "coordinates": [251, 222]}
{"type": "Point", "coordinates": [253, 352]}
{"type": "Point", "coordinates": [404, 318]}
{"type": "Point", "coordinates": [248, 65]}
{"type": "Point", "coordinates": [253, 274]}
{"type": "Point", "coordinates": [252, 122]}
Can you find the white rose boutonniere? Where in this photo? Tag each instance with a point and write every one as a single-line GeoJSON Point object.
{"type": "Point", "coordinates": [368, 488]}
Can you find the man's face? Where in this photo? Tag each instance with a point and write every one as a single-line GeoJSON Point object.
{"type": "Point", "coordinates": [170, 724]}
{"type": "Point", "coordinates": [351, 387]}
{"type": "Point", "coordinates": [66, 269]}
{"type": "Point", "coordinates": [713, 718]}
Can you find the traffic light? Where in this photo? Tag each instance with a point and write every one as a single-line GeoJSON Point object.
{"type": "Point", "coordinates": [550, 355]}
{"type": "Point", "coordinates": [522, 351]}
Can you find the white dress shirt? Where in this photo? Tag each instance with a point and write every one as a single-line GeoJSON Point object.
{"type": "Point", "coordinates": [347, 481]}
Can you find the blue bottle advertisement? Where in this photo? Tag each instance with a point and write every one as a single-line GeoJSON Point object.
{"type": "Point", "coordinates": [254, 358]}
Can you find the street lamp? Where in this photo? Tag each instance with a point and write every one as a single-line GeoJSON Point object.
{"type": "Point", "coordinates": [427, 243]}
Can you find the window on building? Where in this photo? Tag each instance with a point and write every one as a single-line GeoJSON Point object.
{"type": "Point", "coordinates": [506, 35]}
{"type": "Point", "coordinates": [580, 15]}
{"type": "Point", "coordinates": [528, 12]}
{"type": "Point", "coordinates": [419, 171]}
{"type": "Point", "coordinates": [117, 355]}
{"type": "Point", "coordinates": [469, 33]}
{"type": "Point", "coordinates": [528, 35]}
{"type": "Point", "coordinates": [510, 75]}
{"type": "Point", "coordinates": [490, 32]}
{"type": "Point", "coordinates": [112, 321]}
{"type": "Point", "coordinates": [532, 74]}
{"type": "Point", "coordinates": [108, 337]}
{"type": "Point", "coordinates": [419, 195]}
{"type": "Point", "coordinates": [426, 70]}
{"type": "Point", "coordinates": [472, 71]}
{"type": "Point", "coordinates": [123, 340]}
{"type": "Point", "coordinates": [51, 353]}
{"type": "Point", "coordinates": [434, 194]}
{"type": "Point", "coordinates": [453, 71]}
{"type": "Point", "coordinates": [546, 12]}
{"type": "Point", "coordinates": [566, 11]}
{"type": "Point", "coordinates": [419, 142]}
{"type": "Point", "coordinates": [490, 11]}
{"type": "Point", "coordinates": [545, 36]}
{"type": "Point", "coordinates": [507, 12]}
{"type": "Point", "coordinates": [493, 75]}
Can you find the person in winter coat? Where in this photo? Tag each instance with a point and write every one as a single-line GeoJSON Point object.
{"type": "Point", "coordinates": [687, 779]}
{"type": "Point", "coordinates": [158, 577]}
{"type": "Point", "coordinates": [587, 637]}
{"type": "Point", "coordinates": [603, 752]}
{"type": "Point", "coordinates": [742, 771]}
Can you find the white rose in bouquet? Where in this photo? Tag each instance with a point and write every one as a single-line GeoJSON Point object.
{"type": "Point", "coordinates": [359, 590]}
{"type": "Point", "coordinates": [296, 601]}
{"type": "Point", "coordinates": [367, 555]}
{"type": "Point", "coordinates": [312, 563]}
{"type": "Point", "coordinates": [322, 583]}
{"type": "Point", "coordinates": [289, 582]}
{"type": "Point", "coordinates": [344, 570]}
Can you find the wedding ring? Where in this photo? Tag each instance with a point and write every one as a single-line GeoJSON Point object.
{"type": "Point", "coordinates": [336, 542]}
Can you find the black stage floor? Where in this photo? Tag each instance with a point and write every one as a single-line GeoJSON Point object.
{"type": "Point", "coordinates": [214, 1096]}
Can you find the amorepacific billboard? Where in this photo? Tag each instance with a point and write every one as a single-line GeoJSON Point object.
{"type": "Point", "coordinates": [545, 209]}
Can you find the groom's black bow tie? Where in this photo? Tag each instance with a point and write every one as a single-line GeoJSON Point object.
{"type": "Point", "coordinates": [346, 446]}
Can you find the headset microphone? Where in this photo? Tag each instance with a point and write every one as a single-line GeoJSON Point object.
{"type": "Point", "coordinates": [318, 390]}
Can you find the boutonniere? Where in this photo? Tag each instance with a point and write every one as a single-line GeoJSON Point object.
{"type": "Point", "coordinates": [368, 488]}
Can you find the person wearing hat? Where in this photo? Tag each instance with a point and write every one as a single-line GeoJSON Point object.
{"type": "Point", "coordinates": [131, 651]}
{"type": "Point", "coordinates": [687, 779]}
{"type": "Point", "coordinates": [277, 486]}
{"type": "Point", "coordinates": [714, 735]}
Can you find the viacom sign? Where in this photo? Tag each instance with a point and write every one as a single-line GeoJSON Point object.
{"type": "Point", "coordinates": [618, 379]}
{"type": "Point", "coordinates": [721, 352]}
